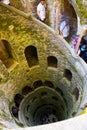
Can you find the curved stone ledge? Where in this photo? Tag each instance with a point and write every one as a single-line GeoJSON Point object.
{"type": "Point", "coordinates": [77, 123]}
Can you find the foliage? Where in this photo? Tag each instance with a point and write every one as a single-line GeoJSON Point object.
{"type": "Point", "coordinates": [82, 11]}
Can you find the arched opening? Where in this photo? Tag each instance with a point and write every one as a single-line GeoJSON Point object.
{"type": "Point", "coordinates": [76, 93]}
{"type": "Point", "coordinates": [31, 56]}
{"type": "Point", "coordinates": [15, 111]}
{"type": "Point", "coordinates": [5, 53]}
{"type": "Point", "coordinates": [26, 90]}
{"type": "Point", "coordinates": [37, 84]}
{"type": "Point", "coordinates": [49, 84]}
{"type": "Point", "coordinates": [52, 61]}
{"type": "Point", "coordinates": [17, 99]}
{"type": "Point", "coordinates": [67, 74]}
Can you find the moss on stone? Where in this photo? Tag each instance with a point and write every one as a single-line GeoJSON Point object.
{"type": "Point", "coordinates": [83, 11]}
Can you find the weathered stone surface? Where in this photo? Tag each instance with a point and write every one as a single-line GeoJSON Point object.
{"type": "Point", "coordinates": [21, 33]}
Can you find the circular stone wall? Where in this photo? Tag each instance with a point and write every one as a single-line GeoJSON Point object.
{"type": "Point", "coordinates": [43, 61]}
{"type": "Point", "coordinates": [42, 106]}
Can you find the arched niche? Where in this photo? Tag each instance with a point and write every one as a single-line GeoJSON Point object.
{"type": "Point", "coordinates": [17, 99]}
{"type": "Point", "coordinates": [49, 84]}
{"type": "Point", "coordinates": [67, 74]}
{"type": "Point", "coordinates": [15, 111]}
{"type": "Point", "coordinates": [76, 93]}
{"type": "Point", "coordinates": [37, 84]}
{"type": "Point", "coordinates": [31, 56]}
{"type": "Point", "coordinates": [52, 61]}
{"type": "Point", "coordinates": [26, 90]}
{"type": "Point", "coordinates": [5, 53]}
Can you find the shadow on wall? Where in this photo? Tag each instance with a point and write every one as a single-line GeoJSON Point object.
{"type": "Point", "coordinates": [5, 53]}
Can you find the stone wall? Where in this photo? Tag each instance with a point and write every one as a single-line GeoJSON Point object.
{"type": "Point", "coordinates": [21, 33]}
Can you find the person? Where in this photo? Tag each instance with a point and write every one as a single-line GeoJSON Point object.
{"type": "Point", "coordinates": [7, 2]}
{"type": "Point", "coordinates": [41, 10]}
{"type": "Point", "coordinates": [84, 32]}
{"type": "Point", "coordinates": [75, 42]}
{"type": "Point", "coordinates": [83, 48]}
{"type": "Point", "coordinates": [64, 28]}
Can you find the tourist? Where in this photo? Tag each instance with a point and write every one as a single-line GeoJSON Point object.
{"type": "Point", "coordinates": [83, 48]}
{"type": "Point", "coordinates": [64, 28]}
{"type": "Point", "coordinates": [75, 42]}
{"type": "Point", "coordinates": [7, 2]}
{"type": "Point", "coordinates": [79, 40]}
{"type": "Point", "coordinates": [41, 11]}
